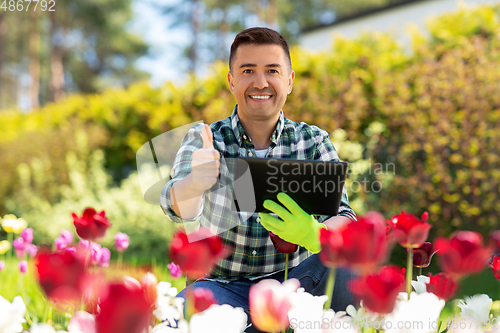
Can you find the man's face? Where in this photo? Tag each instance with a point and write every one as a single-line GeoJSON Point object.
{"type": "Point", "coordinates": [260, 80]}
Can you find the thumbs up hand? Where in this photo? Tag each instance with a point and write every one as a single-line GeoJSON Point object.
{"type": "Point", "coordinates": [205, 163]}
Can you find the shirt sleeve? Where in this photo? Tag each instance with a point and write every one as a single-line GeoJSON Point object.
{"type": "Point", "coordinates": [180, 169]}
{"type": "Point", "coordinates": [325, 151]}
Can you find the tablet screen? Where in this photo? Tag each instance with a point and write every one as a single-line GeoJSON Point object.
{"type": "Point", "coordinates": [315, 185]}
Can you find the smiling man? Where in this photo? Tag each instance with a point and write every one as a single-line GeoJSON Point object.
{"type": "Point", "coordinates": [260, 77]}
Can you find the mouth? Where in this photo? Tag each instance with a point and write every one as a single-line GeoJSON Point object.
{"type": "Point", "coordinates": [260, 98]}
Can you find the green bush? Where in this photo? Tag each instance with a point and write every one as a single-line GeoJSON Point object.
{"type": "Point", "coordinates": [90, 186]}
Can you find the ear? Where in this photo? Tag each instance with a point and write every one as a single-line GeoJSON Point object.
{"type": "Point", "coordinates": [291, 77]}
{"type": "Point", "coordinates": [230, 81]}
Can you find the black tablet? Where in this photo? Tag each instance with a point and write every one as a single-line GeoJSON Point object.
{"type": "Point", "coordinates": [315, 185]}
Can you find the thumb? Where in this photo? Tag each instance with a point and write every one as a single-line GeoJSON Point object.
{"type": "Point", "coordinates": [207, 136]}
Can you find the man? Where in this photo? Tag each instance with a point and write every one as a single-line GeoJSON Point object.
{"type": "Point", "coordinates": [260, 77]}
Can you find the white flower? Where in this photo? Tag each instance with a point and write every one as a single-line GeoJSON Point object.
{"type": "Point", "coordinates": [219, 319]}
{"type": "Point", "coordinates": [420, 285]}
{"type": "Point", "coordinates": [415, 315]}
{"type": "Point", "coordinates": [82, 322]}
{"type": "Point", "coordinates": [12, 315]}
{"type": "Point", "coordinates": [168, 307]}
{"type": "Point", "coordinates": [306, 311]}
{"type": "Point", "coordinates": [338, 322]}
{"type": "Point", "coordinates": [476, 307]}
{"type": "Point", "coordinates": [165, 289]}
{"type": "Point", "coordinates": [363, 317]}
{"type": "Point", "coordinates": [43, 328]}
{"type": "Point", "coordinates": [183, 327]}
{"type": "Point", "coordinates": [464, 325]}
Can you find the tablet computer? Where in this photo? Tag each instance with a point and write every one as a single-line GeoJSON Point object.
{"type": "Point", "coordinates": [315, 185]}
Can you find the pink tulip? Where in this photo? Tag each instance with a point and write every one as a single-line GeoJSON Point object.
{"type": "Point", "coordinates": [269, 303]}
{"type": "Point", "coordinates": [27, 235]}
{"type": "Point", "coordinates": [175, 270]}
{"type": "Point", "coordinates": [148, 283]}
{"type": "Point", "coordinates": [67, 235]}
{"type": "Point", "coordinates": [100, 255]}
{"type": "Point", "coordinates": [95, 252]}
{"type": "Point", "coordinates": [71, 249]}
{"type": "Point", "coordinates": [2, 265]}
{"type": "Point", "coordinates": [121, 241]}
{"type": "Point", "coordinates": [82, 322]}
{"type": "Point", "coordinates": [19, 246]}
{"type": "Point", "coordinates": [23, 266]}
{"type": "Point", "coordinates": [32, 250]}
{"type": "Point", "coordinates": [84, 244]}
{"type": "Point", "coordinates": [131, 283]}
{"type": "Point", "coordinates": [61, 243]}
{"type": "Point", "coordinates": [104, 257]}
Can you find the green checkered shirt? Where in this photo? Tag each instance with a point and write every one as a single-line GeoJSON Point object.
{"type": "Point", "coordinates": [253, 255]}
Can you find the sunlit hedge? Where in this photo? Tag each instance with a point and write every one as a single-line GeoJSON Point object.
{"type": "Point", "coordinates": [424, 126]}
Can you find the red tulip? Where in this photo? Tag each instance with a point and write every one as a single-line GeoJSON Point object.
{"type": "Point", "coordinates": [360, 245]}
{"type": "Point", "coordinates": [495, 265]}
{"type": "Point", "coordinates": [96, 288]}
{"type": "Point", "coordinates": [442, 285]}
{"type": "Point", "coordinates": [494, 241]}
{"type": "Point", "coordinates": [198, 300]}
{"type": "Point", "coordinates": [379, 291]}
{"type": "Point", "coordinates": [409, 231]}
{"type": "Point", "coordinates": [124, 310]}
{"type": "Point", "coordinates": [62, 275]}
{"type": "Point", "coordinates": [282, 246]}
{"type": "Point", "coordinates": [422, 255]}
{"type": "Point", "coordinates": [463, 253]}
{"type": "Point", "coordinates": [199, 257]}
{"type": "Point", "coordinates": [92, 225]}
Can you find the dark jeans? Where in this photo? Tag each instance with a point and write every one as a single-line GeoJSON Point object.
{"type": "Point", "coordinates": [312, 276]}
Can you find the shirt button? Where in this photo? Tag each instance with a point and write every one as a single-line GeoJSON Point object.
{"type": "Point", "coordinates": [258, 219]}
{"type": "Point", "coordinates": [254, 252]}
{"type": "Point", "coordinates": [244, 136]}
{"type": "Point", "coordinates": [250, 154]}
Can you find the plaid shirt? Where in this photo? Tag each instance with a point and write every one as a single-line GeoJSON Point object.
{"type": "Point", "coordinates": [253, 255]}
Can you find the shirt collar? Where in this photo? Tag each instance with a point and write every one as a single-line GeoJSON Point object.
{"type": "Point", "coordinates": [239, 131]}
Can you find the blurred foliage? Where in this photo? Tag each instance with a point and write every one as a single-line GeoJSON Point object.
{"type": "Point", "coordinates": [26, 285]}
{"type": "Point", "coordinates": [212, 23]}
{"type": "Point", "coordinates": [423, 126]}
{"type": "Point", "coordinates": [76, 46]}
{"type": "Point", "coordinates": [90, 186]}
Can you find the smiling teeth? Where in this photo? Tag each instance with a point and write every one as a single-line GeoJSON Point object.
{"type": "Point", "coordinates": [261, 97]}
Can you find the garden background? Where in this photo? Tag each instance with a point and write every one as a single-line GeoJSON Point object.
{"type": "Point", "coordinates": [423, 124]}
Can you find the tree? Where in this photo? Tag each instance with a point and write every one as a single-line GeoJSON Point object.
{"type": "Point", "coordinates": [80, 46]}
{"type": "Point", "coordinates": [212, 22]}
{"type": "Point", "coordinates": [3, 30]}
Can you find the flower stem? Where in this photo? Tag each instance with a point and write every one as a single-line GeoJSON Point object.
{"type": "Point", "coordinates": [120, 260]}
{"type": "Point", "coordinates": [329, 287]}
{"type": "Point", "coordinates": [87, 260]}
{"type": "Point", "coordinates": [286, 266]}
{"type": "Point", "coordinates": [420, 271]}
{"type": "Point", "coordinates": [10, 237]}
{"type": "Point", "coordinates": [409, 271]}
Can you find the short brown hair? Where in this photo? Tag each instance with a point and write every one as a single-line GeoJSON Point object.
{"type": "Point", "coordinates": [259, 35]}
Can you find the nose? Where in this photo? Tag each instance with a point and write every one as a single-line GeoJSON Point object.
{"type": "Point", "coordinates": [260, 81]}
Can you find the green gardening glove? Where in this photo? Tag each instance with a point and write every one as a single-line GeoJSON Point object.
{"type": "Point", "coordinates": [297, 226]}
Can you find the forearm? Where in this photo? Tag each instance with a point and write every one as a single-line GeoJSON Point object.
{"type": "Point", "coordinates": [186, 202]}
{"type": "Point", "coordinates": [336, 222]}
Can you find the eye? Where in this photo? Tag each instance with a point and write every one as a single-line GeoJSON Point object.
{"type": "Point", "coordinates": [247, 71]}
{"type": "Point", "coordinates": [273, 71]}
